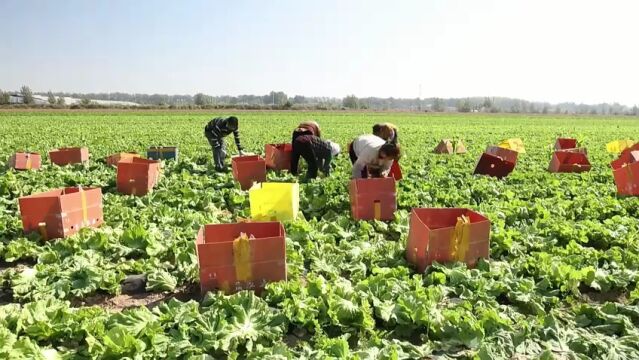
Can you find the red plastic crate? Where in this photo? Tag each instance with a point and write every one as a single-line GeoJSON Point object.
{"type": "Point", "coordinates": [497, 162]}
{"type": "Point", "coordinates": [66, 156]}
{"type": "Point", "coordinates": [565, 144]}
{"type": "Point", "coordinates": [217, 257]}
{"type": "Point", "coordinates": [278, 156]}
{"type": "Point", "coordinates": [570, 160]}
{"type": "Point", "coordinates": [62, 212]}
{"type": "Point", "coordinates": [432, 237]}
{"type": "Point", "coordinates": [626, 172]}
{"type": "Point", "coordinates": [373, 198]}
{"type": "Point", "coordinates": [626, 156]}
{"type": "Point", "coordinates": [248, 169]}
{"type": "Point", "coordinates": [395, 171]}
{"type": "Point", "coordinates": [25, 161]}
{"type": "Point", "coordinates": [113, 160]}
{"type": "Point", "coordinates": [137, 176]}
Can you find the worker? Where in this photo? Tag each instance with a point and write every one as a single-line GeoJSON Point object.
{"type": "Point", "coordinates": [317, 153]}
{"type": "Point", "coordinates": [309, 127]}
{"type": "Point", "coordinates": [215, 131]}
{"type": "Point", "coordinates": [372, 156]}
{"type": "Point", "coordinates": [386, 131]}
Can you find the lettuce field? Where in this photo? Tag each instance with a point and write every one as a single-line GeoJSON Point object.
{"type": "Point", "coordinates": [561, 281]}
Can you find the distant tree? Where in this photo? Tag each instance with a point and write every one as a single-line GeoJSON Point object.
{"type": "Point", "coordinates": [635, 110]}
{"type": "Point", "coordinates": [351, 102]}
{"type": "Point", "coordinates": [276, 98]}
{"type": "Point", "coordinates": [85, 101]}
{"type": "Point", "coordinates": [50, 98]}
{"type": "Point", "coordinates": [464, 106]}
{"type": "Point", "coordinates": [544, 110]}
{"type": "Point", "coordinates": [438, 105]}
{"type": "Point", "coordinates": [27, 95]}
{"type": "Point", "coordinates": [60, 100]}
{"type": "Point", "coordinates": [487, 103]}
{"type": "Point", "coordinates": [593, 111]}
{"type": "Point", "coordinates": [198, 99]}
{"type": "Point", "coordinates": [4, 97]}
{"type": "Point", "coordinates": [287, 105]}
{"type": "Point", "coordinates": [201, 99]}
{"type": "Point", "coordinates": [299, 99]}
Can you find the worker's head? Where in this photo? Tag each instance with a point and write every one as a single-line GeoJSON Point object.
{"type": "Point", "coordinates": [384, 131]}
{"type": "Point", "coordinates": [389, 151]}
{"type": "Point", "coordinates": [232, 122]}
{"type": "Point", "coordinates": [377, 129]}
{"type": "Point", "coordinates": [374, 172]}
{"type": "Point", "coordinates": [310, 122]}
{"type": "Point", "coordinates": [311, 125]}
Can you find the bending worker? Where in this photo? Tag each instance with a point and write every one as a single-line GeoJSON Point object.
{"type": "Point", "coordinates": [372, 156]}
{"type": "Point", "coordinates": [318, 154]}
{"type": "Point", "coordinates": [215, 131]}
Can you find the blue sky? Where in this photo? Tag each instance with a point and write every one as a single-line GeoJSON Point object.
{"type": "Point", "coordinates": [543, 50]}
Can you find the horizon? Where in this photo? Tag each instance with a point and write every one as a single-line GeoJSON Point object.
{"type": "Point", "coordinates": [572, 52]}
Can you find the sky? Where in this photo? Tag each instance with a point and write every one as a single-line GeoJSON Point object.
{"type": "Point", "coordinates": [539, 50]}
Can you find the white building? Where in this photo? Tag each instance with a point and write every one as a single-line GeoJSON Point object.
{"type": "Point", "coordinates": [17, 98]}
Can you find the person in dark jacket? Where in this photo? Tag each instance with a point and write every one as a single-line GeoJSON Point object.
{"type": "Point", "coordinates": [215, 132]}
{"type": "Point", "coordinates": [317, 153]}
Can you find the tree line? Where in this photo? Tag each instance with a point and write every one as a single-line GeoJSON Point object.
{"type": "Point", "coordinates": [280, 100]}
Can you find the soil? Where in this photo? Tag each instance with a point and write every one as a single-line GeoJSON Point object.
{"type": "Point", "coordinates": [120, 302]}
{"type": "Point", "coordinates": [6, 297]}
{"type": "Point", "coordinates": [616, 296]}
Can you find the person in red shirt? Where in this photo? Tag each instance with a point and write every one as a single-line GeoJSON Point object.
{"type": "Point", "coordinates": [388, 132]}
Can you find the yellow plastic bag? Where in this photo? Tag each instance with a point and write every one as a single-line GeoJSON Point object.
{"type": "Point", "coordinates": [617, 146]}
{"type": "Point", "coordinates": [274, 201]}
{"type": "Point", "coordinates": [242, 258]}
{"type": "Point", "coordinates": [460, 239]}
{"type": "Point", "coordinates": [515, 144]}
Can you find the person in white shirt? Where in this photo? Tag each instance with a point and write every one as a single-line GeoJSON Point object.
{"type": "Point", "coordinates": [372, 156]}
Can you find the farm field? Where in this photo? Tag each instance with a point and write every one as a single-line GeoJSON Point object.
{"type": "Point", "coordinates": [561, 281]}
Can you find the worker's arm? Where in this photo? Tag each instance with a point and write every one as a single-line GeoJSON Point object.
{"type": "Point", "coordinates": [385, 168]}
{"type": "Point", "coordinates": [326, 163]}
{"type": "Point", "coordinates": [236, 135]}
{"type": "Point", "coordinates": [358, 167]}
